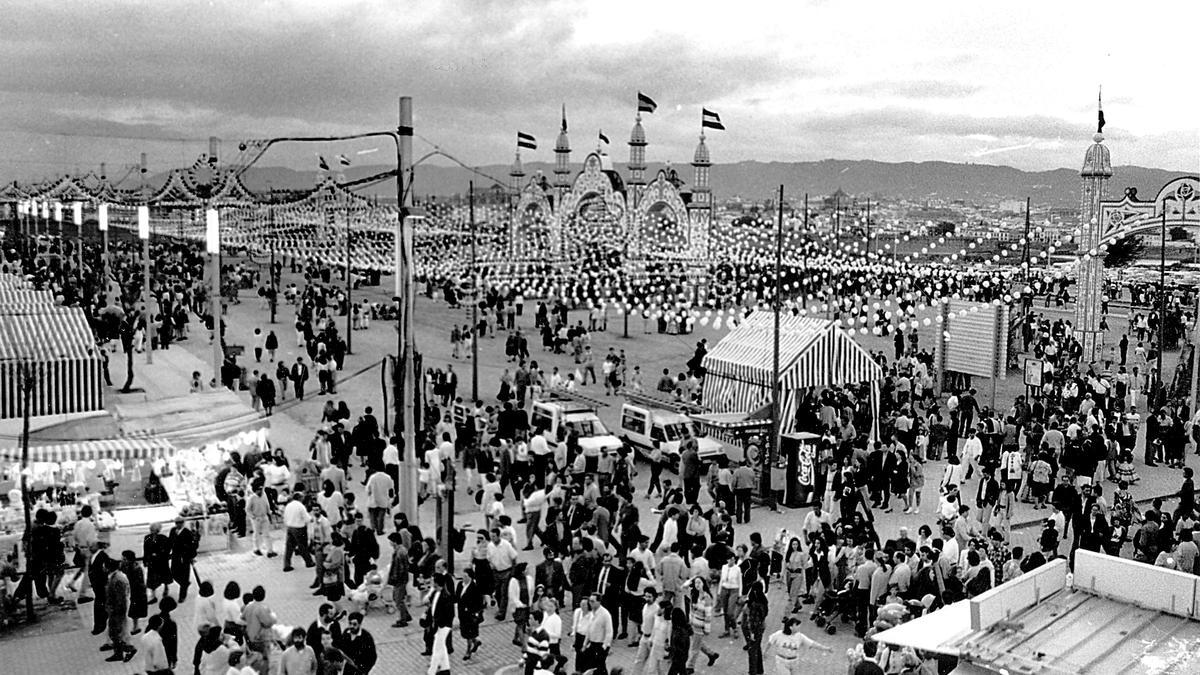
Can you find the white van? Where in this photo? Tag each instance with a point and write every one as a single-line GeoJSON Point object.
{"type": "Point", "coordinates": [644, 428]}
{"type": "Point", "coordinates": [560, 415]}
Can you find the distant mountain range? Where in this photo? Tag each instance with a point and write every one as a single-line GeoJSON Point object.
{"type": "Point", "coordinates": [980, 184]}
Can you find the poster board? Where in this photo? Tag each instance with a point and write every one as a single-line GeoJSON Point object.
{"type": "Point", "coordinates": [974, 339]}
{"type": "Point", "coordinates": [1034, 368]}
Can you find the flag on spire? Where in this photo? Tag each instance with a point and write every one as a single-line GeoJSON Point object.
{"type": "Point", "coordinates": [1099, 114]}
{"type": "Point", "coordinates": [524, 140]}
{"type": "Point", "coordinates": [646, 104]}
{"type": "Point", "coordinates": [603, 138]}
{"type": "Point", "coordinates": [710, 120]}
{"type": "Point", "coordinates": [564, 123]}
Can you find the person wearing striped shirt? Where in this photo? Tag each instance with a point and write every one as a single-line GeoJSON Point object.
{"type": "Point", "coordinates": [537, 647]}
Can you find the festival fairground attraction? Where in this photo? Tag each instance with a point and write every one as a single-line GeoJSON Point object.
{"type": "Point", "coordinates": [601, 414]}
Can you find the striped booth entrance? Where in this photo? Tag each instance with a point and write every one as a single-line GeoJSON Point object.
{"type": "Point", "coordinates": [52, 347]}
{"type": "Point", "coordinates": [122, 449]}
{"type": "Point", "coordinates": [812, 353]}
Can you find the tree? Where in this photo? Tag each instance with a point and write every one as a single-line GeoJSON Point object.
{"type": "Point", "coordinates": [1178, 233]}
{"type": "Point", "coordinates": [1124, 251]}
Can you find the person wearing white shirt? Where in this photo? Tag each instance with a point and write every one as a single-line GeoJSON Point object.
{"type": "Point", "coordinates": [154, 654]}
{"type": "Point", "coordinates": [535, 505]}
{"type": "Point", "coordinates": [581, 621]}
{"type": "Point", "coordinates": [207, 608]}
{"type": "Point", "coordinates": [729, 593]}
{"type": "Point", "coordinates": [599, 636]}
{"type": "Point", "coordinates": [296, 519]}
{"type": "Point", "coordinates": [670, 532]}
{"type": "Point", "coordinates": [972, 450]}
{"type": "Point", "coordinates": [552, 624]}
{"type": "Point", "coordinates": [644, 555]}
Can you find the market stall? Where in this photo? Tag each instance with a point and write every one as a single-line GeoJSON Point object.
{"type": "Point", "coordinates": [52, 348]}
{"type": "Point", "coordinates": [813, 353]}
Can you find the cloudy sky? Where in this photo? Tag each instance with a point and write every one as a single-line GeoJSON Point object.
{"type": "Point", "coordinates": [1015, 83]}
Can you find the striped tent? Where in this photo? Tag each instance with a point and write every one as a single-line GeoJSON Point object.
{"type": "Point", "coordinates": [55, 346]}
{"type": "Point", "coordinates": [114, 448]}
{"type": "Point", "coordinates": [812, 353]}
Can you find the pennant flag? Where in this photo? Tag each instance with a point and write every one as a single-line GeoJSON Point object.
{"type": "Point", "coordinates": [343, 160]}
{"type": "Point", "coordinates": [1099, 115]}
{"type": "Point", "coordinates": [710, 120]}
{"type": "Point", "coordinates": [603, 138]}
{"type": "Point", "coordinates": [646, 104]}
{"type": "Point", "coordinates": [322, 163]}
{"type": "Point", "coordinates": [524, 140]}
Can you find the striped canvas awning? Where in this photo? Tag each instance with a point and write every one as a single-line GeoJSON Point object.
{"type": "Point", "coordinates": [812, 353]}
{"type": "Point", "coordinates": [115, 448]}
{"type": "Point", "coordinates": [42, 334]}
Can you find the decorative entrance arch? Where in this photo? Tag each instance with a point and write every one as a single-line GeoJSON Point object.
{"type": "Point", "coordinates": [1179, 200]}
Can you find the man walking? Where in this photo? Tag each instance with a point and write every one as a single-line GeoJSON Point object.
{"type": "Point", "coordinates": [296, 519]}
{"type": "Point", "coordinates": [299, 376]}
{"type": "Point", "coordinates": [184, 543]}
{"type": "Point", "coordinates": [743, 488]}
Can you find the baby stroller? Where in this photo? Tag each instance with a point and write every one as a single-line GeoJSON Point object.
{"type": "Point", "coordinates": [835, 604]}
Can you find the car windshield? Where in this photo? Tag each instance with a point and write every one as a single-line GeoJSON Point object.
{"type": "Point", "coordinates": [678, 431]}
{"type": "Point", "coordinates": [588, 427]}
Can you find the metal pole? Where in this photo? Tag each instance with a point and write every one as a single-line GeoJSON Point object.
{"type": "Point", "coordinates": [349, 285]}
{"type": "Point", "coordinates": [868, 226]}
{"type": "Point", "coordinates": [27, 379]}
{"type": "Point", "coordinates": [1162, 303]}
{"type": "Point", "coordinates": [407, 490]}
{"type": "Point", "coordinates": [274, 284]}
{"type": "Point", "coordinates": [475, 301]}
{"type": "Point", "coordinates": [104, 256]}
{"type": "Point", "coordinates": [772, 453]}
{"type": "Point", "coordinates": [1195, 357]}
{"type": "Point", "coordinates": [146, 297]}
{"type": "Point", "coordinates": [1025, 252]}
{"type": "Point", "coordinates": [214, 261]}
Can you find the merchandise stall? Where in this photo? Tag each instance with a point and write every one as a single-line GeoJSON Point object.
{"type": "Point", "coordinates": [740, 379]}
{"type": "Point", "coordinates": [55, 346]}
{"type": "Point", "coordinates": [813, 353]}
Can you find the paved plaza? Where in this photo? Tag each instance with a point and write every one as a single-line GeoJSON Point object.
{"type": "Point", "coordinates": [75, 650]}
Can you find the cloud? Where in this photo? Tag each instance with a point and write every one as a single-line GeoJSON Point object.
{"type": "Point", "coordinates": [911, 89]}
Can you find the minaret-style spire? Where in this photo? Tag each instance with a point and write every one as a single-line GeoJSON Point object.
{"type": "Point", "coordinates": [517, 172]}
{"type": "Point", "coordinates": [637, 153]}
{"type": "Point", "coordinates": [701, 163]}
{"type": "Point", "coordinates": [1094, 175]}
{"type": "Point", "coordinates": [562, 155]}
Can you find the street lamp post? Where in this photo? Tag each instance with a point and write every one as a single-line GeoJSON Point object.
{"type": "Point", "coordinates": [102, 223]}
{"type": "Point", "coordinates": [404, 296]}
{"type": "Point", "coordinates": [349, 284]}
{"type": "Point", "coordinates": [143, 222]}
{"type": "Point", "coordinates": [212, 238]}
{"type": "Point", "coordinates": [77, 216]}
{"type": "Point", "coordinates": [475, 301]}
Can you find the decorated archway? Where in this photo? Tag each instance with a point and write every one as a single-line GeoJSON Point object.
{"type": "Point", "coordinates": [1178, 200]}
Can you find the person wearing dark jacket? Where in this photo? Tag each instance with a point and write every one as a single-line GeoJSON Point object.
{"type": "Point", "coordinates": [184, 542]}
{"type": "Point", "coordinates": [439, 614]}
{"type": "Point", "coordinates": [364, 549]}
{"type": "Point", "coordinates": [156, 556]}
{"type": "Point", "coordinates": [470, 611]}
{"type": "Point", "coordinates": [359, 645]}
{"type": "Point", "coordinates": [98, 577]}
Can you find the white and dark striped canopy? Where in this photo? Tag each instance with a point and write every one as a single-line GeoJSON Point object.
{"type": "Point", "coordinates": [812, 353]}
{"type": "Point", "coordinates": [82, 451]}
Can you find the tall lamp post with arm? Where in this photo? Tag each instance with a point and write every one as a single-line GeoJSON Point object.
{"type": "Point", "coordinates": [404, 296]}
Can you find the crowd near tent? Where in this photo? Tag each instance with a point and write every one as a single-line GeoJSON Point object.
{"type": "Point", "coordinates": [812, 353]}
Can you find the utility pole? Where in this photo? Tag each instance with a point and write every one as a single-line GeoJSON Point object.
{"type": "Point", "coordinates": [28, 379]}
{"type": "Point", "coordinates": [1162, 309]}
{"type": "Point", "coordinates": [144, 233]}
{"type": "Point", "coordinates": [349, 283]}
{"type": "Point", "coordinates": [1025, 252]}
{"type": "Point", "coordinates": [772, 450]}
{"type": "Point", "coordinates": [274, 283]}
{"type": "Point", "coordinates": [406, 299]}
{"type": "Point", "coordinates": [475, 301]}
